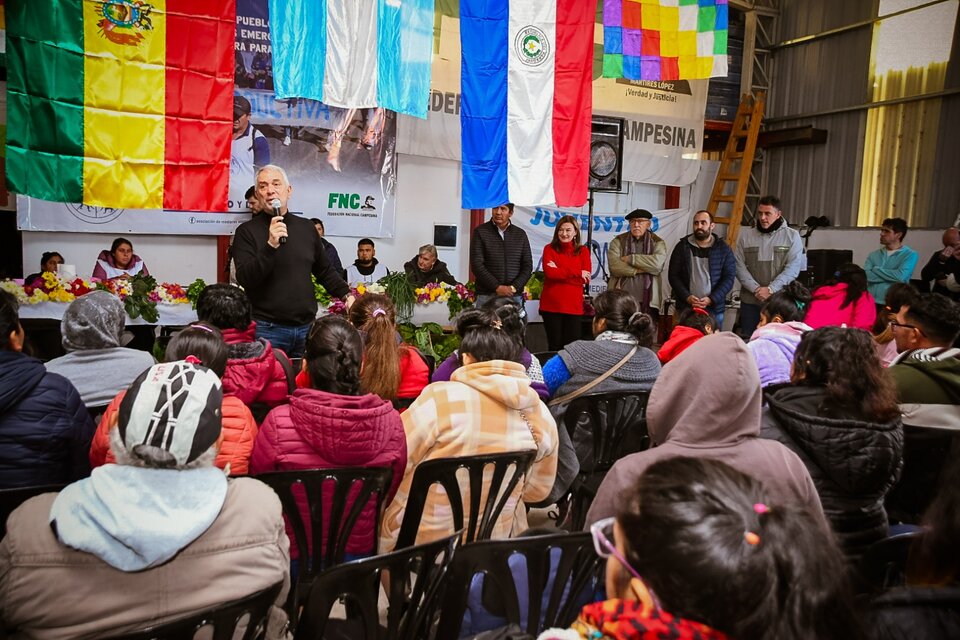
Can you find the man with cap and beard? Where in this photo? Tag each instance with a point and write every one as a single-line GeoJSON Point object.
{"type": "Point", "coordinates": [635, 260]}
{"type": "Point", "coordinates": [159, 535]}
{"type": "Point", "coordinates": [95, 362]}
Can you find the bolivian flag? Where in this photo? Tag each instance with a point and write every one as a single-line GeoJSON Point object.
{"type": "Point", "coordinates": [121, 103]}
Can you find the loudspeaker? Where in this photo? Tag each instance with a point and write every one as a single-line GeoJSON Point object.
{"type": "Point", "coordinates": [823, 263]}
{"type": "Point", "coordinates": [606, 153]}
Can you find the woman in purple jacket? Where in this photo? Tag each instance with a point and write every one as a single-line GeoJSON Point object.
{"type": "Point", "coordinates": [333, 425]}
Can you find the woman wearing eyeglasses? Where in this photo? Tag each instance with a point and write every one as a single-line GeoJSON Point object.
{"type": "Point", "coordinates": [698, 551]}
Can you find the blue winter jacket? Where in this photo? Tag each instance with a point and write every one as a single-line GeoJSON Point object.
{"type": "Point", "coordinates": [45, 430]}
{"type": "Point", "coordinates": [723, 270]}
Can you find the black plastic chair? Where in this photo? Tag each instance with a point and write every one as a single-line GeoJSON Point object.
{"type": "Point", "coordinates": [884, 565]}
{"type": "Point", "coordinates": [617, 426]}
{"type": "Point", "coordinates": [349, 491]}
{"type": "Point", "coordinates": [572, 576]}
{"type": "Point", "coordinates": [10, 499]}
{"type": "Point", "coordinates": [412, 578]}
{"type": "Point", "coordinates": [96, 412]}
{"type": "Point", "coordinates": [480, 522]}
{"type": "Point", "coordinates": [225, 619]}
{"type": "Point", "coordinates": [543, 356]}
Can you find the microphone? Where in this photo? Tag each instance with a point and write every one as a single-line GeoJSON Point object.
{"type": "Point", "coordinates": [275, 203]}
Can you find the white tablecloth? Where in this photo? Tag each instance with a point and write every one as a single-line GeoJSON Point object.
{"type": "Point", "coordinates": [170, 314]}
{"type": "Point", "coordinates": [438, 312]}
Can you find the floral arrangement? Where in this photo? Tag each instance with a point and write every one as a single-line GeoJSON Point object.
{"type": "Point", "coordinates": [457, 297]}
{"type": "Point", "coordinates": [49, 288]}
{"type": "Point", "coordinates": [140, 294]}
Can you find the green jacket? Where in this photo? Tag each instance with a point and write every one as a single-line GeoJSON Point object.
{"type": "Point", "coordinates": [623, 275]}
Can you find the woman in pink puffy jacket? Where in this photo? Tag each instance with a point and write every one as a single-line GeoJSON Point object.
{"type": "Point", "coordinates": [333, 425]}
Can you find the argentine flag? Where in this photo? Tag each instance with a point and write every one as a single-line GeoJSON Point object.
{"type": "Point", "coordinates": [354, 53]}
{"type": "Point", "coordinates": [526, 85]}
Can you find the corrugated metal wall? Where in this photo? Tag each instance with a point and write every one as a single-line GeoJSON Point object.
{"type": "Point", "coordinates": [833, 73]}
{"type": "Point", "coordinates": [817, 76]}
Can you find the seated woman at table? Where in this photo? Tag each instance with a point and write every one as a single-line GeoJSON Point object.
{"type": "Point", "coordinates": [119, 262]}
{"type": "Point", "coordinates": [48, 263]}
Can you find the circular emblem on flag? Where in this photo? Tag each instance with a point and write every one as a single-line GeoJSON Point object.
{"type": "Point", "coordinates": [94, 215]}
{"type": "Point", "coordinates": [532, 46]}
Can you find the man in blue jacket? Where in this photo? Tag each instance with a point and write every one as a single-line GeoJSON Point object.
{"type": "Point", "coordinates": [702, 268]}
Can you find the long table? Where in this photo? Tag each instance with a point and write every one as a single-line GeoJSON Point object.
{"type": "Point", "coordinates": [170, 314]}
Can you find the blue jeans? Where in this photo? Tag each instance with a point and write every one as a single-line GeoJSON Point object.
{"type": "Point", "coordinates": [290, 339]}
{"type": "Point", "coordinates": [749, 319]}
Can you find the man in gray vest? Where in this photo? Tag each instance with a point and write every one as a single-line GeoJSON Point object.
{"type": "Point", "coordinates": [769, 256]}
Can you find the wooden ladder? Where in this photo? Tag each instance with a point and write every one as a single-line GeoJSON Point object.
{"type": "Point", "coordinates": [736, 165]}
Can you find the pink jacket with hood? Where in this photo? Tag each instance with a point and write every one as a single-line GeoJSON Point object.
{"type": "Point", "coordinates": [320, 430]}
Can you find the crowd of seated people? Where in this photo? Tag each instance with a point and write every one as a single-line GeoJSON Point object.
{"type": "Point", "coordinates": [774, 464]}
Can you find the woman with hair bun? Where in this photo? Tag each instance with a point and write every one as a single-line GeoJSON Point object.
{"type": "Point", "coordinates": [698, 550]}
{"type": "Point", "coordinates": [622, 337]}
{"type": "Point", "coordinates": [778, 334]}
{"type": "Point", "coordinates": [333, 423]}
{"type": "Point", "coordinates": [840, 415]}
{"type": "Point", "coordinates": [488, 406]}
{"type": "Point", "coordinates": [619, 328]}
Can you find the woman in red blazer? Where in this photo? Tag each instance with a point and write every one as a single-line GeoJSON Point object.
{"type": "Point", "coordinates": [566, 268]}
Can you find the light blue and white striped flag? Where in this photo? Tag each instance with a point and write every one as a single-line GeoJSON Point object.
{"type": "Point", "coordinates": [354, 53]}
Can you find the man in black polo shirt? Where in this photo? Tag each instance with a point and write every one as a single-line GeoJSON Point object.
{"type": "Point", "coordinates": [275, 256]}
{"type": "Point", "coordinates": [500, 257]}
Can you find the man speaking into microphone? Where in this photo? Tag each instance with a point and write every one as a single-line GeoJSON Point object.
{"type": "Point", "coordinates": [275, 254]}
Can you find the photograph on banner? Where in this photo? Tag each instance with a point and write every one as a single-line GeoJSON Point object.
{"type": "Point", "coordinates": [664, 120]}
{"type": "Point", "coordinates": [671, 225]}
{"type": "Point", "coordinates": [338, 160]}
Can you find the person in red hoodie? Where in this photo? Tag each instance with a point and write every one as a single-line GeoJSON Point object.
{"type": "Point", "coordinates": [566, 269]}
{"type": "Point", "coordinates": [843, 301]}
{"type": "Point", "coordinates": [334, 424]}
{"type": "Point", "coordinates": [693, 324]}
{"type": "Point", "coordinates": [197, 344]}
{"type": "Point", "coordinates": [259, 375]}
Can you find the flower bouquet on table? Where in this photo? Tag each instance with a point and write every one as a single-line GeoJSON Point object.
{"type": "Point", "coordinates": [457, 297]}
{"type": "Point", "coordinates": [49, 287]}
{"type": "Point", "coordinates": [138, 293]}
